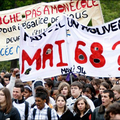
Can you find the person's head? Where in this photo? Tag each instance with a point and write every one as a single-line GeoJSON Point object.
{"type": "Point", "coordinates": [36, 83]}
{"type": "Point", "coordinates": [89, 91]}
{"type": "Point", "coordinates": [81, 105]}
{"type": "Point", "coordinates": [116, 90]}
{"type": "Point", "coordinates": [103, 86]}
{"type": "Point", "coordinates": [27, 91]}
{"type": "Point", "coordinates": [48, 84]}
{"type": "Point", "coordinates": [82, 79]}
{"type": "Point", "coordinates": [40, 100]}
{"type": "Point", "coordinates": [40, 89]}
{"type": "Point", "coordinates": [7, 79]}
{"type": "Point", "coordinates": [5, 100]}
{"type": "Point", "coordinates": [18, 91]}
{"type": "Point", "coordinates": [64, 88]}
{"type": "Point", "coordinates": [60, 102]}
{"type": "Point", "coordinates": [109, 82]}
{"type": "Point", "coordinates": [96, 84]}
{"type": "Point", "coordinates": [113, 112]}
{"type": "Point", "coordinates": [54, 92]}
{"type": "Point", "coordinates": [2, 73]}
{"type": "Point", "coordinates": [61, 78]}
{"type": "Point", "coordinates": [107, 97]}
{"type": "Point", "coordinates": [76, 89]}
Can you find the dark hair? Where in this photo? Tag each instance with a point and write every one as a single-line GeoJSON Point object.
{"type": "Point", "coordinates": [52, 91]}
{"type": "Point", "coordinates": [96, 82]}
{"type": "Point", "coordinates": [7, 76]}
{"type": "Point", "coordinates": [90, 86]}
{"type": "Point", "coordinates": [8, 100]}
{"type": "Point", "coordinates": [40, 89]}
{"type": "Point", "coordinates": [49, 82]}
{"type": "Point", "coordinates": [82, 78]}
{"type": "Point", "coordinates": [105, 84]}
{"type": "Point", "coordinates": [111, 93]}
{"type": "Point", "coordinates": [38, 83]}
{"type": "Point", "coordinates": [2, 81]}
{"type": "Point", "coordinates": [41, 95]}
{"type": "Point", "coordinates": [113, 108]}
{"type": "Point", "coordinates": [19, 85]}
{"type": "Point", "coordinates": [60, 95]}
{"type": "Point", "coordinates": [77, 83]}
{"type": "Point", "coordinates": [28, 88]}
{"type": "Point", "coordinates": [87, 106]}
{"type": "Point", "coordinates": [109, 82]}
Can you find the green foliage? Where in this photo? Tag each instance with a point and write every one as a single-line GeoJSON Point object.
{"type": "Point", "coordinates": [110, 9]}
{"type": "Point", "coordinates": [5, 65]}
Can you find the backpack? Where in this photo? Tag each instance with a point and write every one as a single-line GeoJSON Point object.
{"type": "Point", "coordinates": [26, 109]}
{"type": "Point", "coordinates": [48, 113]}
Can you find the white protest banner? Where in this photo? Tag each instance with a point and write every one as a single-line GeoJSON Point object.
{"type": "Point", "coordinates": [43, 55]}
{"type": "Point", "coordinates": [35, 19]}
{"type": "Point", "coordinates": [95, 51]}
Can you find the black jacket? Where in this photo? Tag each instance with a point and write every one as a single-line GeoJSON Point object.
{"type": "Point", "coordinates": [86, 116]}
{"type": "Point", "coordinates": [97, 102]}
{"type": "Point", "coordinates": [13, 115]}
{"type": "Point", "coordinates": [67, 115]}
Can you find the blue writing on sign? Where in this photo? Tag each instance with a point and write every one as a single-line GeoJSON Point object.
{"type": "Point", "coordinates": [6, 51]}
{"type": "Point", "coordinates": [17, 49]}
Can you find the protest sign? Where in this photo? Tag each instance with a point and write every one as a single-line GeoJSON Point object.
{"type": "Point", "coordinates": [95, 50]}
{"type": "Point", "coordinates": [92, 51]}
{"type": "Point", "coordinates": [43, 55]}
{"type": "Point", "coordinates": [35, 19]}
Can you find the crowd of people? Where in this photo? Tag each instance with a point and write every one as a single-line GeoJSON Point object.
{"type": "Point", "coordinates": [55, 98]}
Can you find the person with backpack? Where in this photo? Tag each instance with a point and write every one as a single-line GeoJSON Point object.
{"type": "Point", "coordinates": [19, 101]}
{"type": "Point", "coordinates": [41, 110]}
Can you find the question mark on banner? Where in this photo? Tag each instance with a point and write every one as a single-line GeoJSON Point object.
{"type": "Point", "coordinates": [113, 48]}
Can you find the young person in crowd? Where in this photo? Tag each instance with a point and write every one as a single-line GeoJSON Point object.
{"type": "Point", "coordinates": [40, 89]}
{"type": "Point", "coordinates": [7, 111]}
{"type": "Point", "coordinates": [89, 91]}
{"type": "Point", "coordinates": [113, 112]}
{"type": "Point", "coordinates": [19, 101]}
{"type": "Point", "coordinates": [27, 91]}
{"type": "Point", "coordinates": [54, 92]}
{"type": "Point", "coordinates": [28, 95]}
{"type": "Point", "coordinates": [48, 84]}
{"type": "Point", "coordinates": [96, 84]}
{"type": "Point", "coordinates": [103, 86]}
{"type": "Point", "coordinates": [116, 90]}
{"type": "Point", "coordinates": [76, 92]}
{"type": "Point", "coordinates": [38, 83]}
{"type": "Point", "coordinates": [2, 73]}
{"type": "Point", "coordinates": [82, 109]}
{"type": "Point", "coordinates": [63, 112]}
{"type": "Point", "coordinates": [107, 97]}
{"type": "Point", "coordinates": [64, 89]}
{"type": "Point", "coordinates": [6, 79]}
{"type": "Point", "coordinates": [41, 110]}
